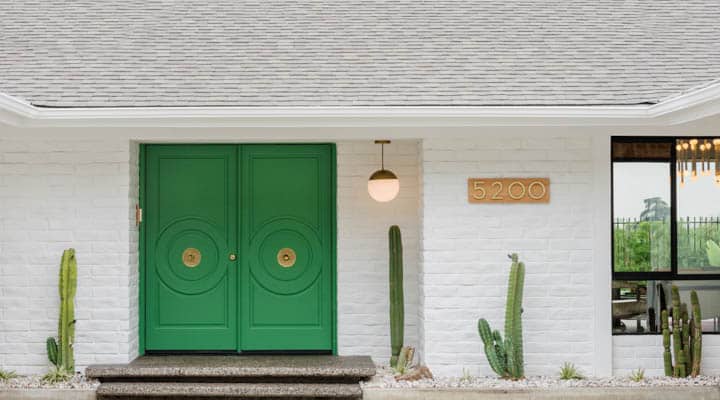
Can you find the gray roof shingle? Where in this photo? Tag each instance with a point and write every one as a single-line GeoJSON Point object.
{"type": "Point", "coordinates": [132, 53]}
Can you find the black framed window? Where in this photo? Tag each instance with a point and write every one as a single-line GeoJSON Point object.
{"type": "Point", "coordinates": [665, 227]}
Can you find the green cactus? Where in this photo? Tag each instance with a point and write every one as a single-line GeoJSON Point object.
{"type": "Point", "coordinates": [506, 356]}
{"type": "Point", "coordinates": [60, 353]}
{"type": "Point", "coordinates": [52, 351]}
{"type": "Point", "coordinates": [667, 356]}
{"type": "Point", "coordinates": [686, 337]}
{"type": "Point", "coordinates": [678, 353]}
{"type": "Point", "coordinates": [696, 335]}
{"type": "Point", "coordinates": [397, 305]}
{"type": "Point", "coordinates": [494, 348]}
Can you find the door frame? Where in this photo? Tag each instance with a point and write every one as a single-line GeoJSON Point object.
{"type": "Point", "coordinates": [142, 248]}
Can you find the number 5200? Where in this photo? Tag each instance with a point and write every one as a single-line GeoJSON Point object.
{"type": "Point", "coordinates": [509, 190]}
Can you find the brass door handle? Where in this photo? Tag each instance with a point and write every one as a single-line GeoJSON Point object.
{"type": "Point", "coordinates": [232, 257]}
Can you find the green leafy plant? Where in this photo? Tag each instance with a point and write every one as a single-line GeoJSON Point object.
{"type": "Point", "coordinates": [506, 356]}
{"type": "Point", "coordinates": [683, 344]}
{"type": "Point", "coordinates": [713, 253]}
{"type": "Point", "coordinates": [397, 303]}
{"type": "Point", "coordinates": [60, 350]}
{"type": "Point", "coordinates": [6, 375]}
{"type": "Point", "coordinates": [569, 371]}
{"type": "Point", "coordinates": [637, 375]}
{"type": "Point", "coordinates": [57, 374]}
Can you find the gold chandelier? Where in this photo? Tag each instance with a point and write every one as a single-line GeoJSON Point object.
{"type": "Point", "coordinates": [698, 157]}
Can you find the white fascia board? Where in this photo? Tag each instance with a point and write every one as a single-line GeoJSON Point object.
{"type": "Point", "coordinates": [684, 108]}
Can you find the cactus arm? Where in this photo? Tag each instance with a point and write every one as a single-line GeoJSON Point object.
{"type": "Point", "coordinates": [397, 312]}
{"type": "Point", "coordinates": [697, 335]}
{"type": "Point", "coordinates": [493, 352]}
{"type": "Point", "coordinates": [667, 357]}
{"type": "Point", "coordinates": [52, 350]}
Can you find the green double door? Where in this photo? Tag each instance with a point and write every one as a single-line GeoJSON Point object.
{"type": "Point", "coordinates": [239, 247]}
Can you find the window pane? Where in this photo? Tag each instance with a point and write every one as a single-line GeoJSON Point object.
{"type": "Point", "coordinates": [636, 305]}
{"type": "Point", "coordinates": [698, 209]}
{"type": "Point", "coordinates": [641, 210]}
{"type": "Point", "coordinates": [641, 150]}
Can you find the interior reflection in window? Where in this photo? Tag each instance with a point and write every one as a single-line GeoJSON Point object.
{"type": "Point", "coordinates": [636, 305]}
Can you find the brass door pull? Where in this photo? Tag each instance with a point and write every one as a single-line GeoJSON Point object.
{"type": "Point", "coordinates": [232, 257]}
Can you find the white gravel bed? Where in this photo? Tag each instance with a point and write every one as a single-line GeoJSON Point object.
{"type": "Point", "coordinates": [35, 382]}
{"type": "Point", "coordinates": [385, 380]}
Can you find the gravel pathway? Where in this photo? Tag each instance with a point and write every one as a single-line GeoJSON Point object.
{"type": "Point", "coordinates": [35, 382]}
{"type": "Point", "coordinates": [385, 379]}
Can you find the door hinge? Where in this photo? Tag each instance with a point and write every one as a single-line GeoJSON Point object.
{"type": "Point", "coordinates": [138, 215]}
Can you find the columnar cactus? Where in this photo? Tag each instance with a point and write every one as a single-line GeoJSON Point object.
{"type": "Point", "coordinates": [696, 339]}
{"type": "Point", "coordinates": [686, 337]}
{"type": "Point", "coordinates": [397, 305]}
{"type": "Point", "coordinates": [60, 352]}
{"type": "Point", "coordinates": [667, 356]}
{"type": "Point", "coordinates": [506, 356]}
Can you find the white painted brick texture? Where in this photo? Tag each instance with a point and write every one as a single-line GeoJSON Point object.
{"type": "Point", "coordinates": [646, 351]}
{"type": "Point", "coordinates": [56, 194]}
{"type": "Point", "coordinates": [363, 320]}
{"type": "Point", "coordinates": [465, 246]}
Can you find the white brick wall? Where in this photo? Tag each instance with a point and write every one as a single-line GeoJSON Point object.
{"type": "Point", "coordinates": [646, 351]}
{"type": "Point", "coordinates": [56, 194]}
{"type": "Point", "coordinates": [363, 320]}
{"type": "Point", "coordinates": [465, 247]}
{"type": "Point", "coordinates": [78, 192]}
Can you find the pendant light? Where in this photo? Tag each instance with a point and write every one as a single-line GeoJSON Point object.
{"type": "Point", "coordinates": [383, 184]}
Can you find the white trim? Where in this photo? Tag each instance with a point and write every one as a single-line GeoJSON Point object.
{"type": "Point", "coordinates": [684, 108]}
{"type": "Point", "coordinates": [602, 245]}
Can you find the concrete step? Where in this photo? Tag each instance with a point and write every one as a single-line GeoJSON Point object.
{"type": "Point", "coordinates": [199, 390]}
{"type": "Point", "coordinates": [238, 369]}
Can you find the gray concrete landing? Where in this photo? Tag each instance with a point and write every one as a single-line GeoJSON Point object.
{"type": "Point", "coordinates": [234, 377]}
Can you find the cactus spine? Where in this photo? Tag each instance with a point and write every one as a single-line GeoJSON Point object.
{"type": "Point", "coordinates": [686, 337]}
{"type": "Point", "coordinates": [60, 352]}
{"type": "Point", "coordinates": [506, 356]}
{"type": "Point", "coordinates": [397, 305]}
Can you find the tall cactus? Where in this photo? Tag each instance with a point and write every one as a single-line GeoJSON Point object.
{"type": "Point", "coordinates": [678, 352]}
{"type": "Point", "coordinates": [667, 356]}
{"type": "Point", "coordinates": [397, 304]}
{"type": "Point", "coordinates": [60, 353]}
{"type": "Point", "coordinates": [686, 337]}
{"type": "Point", "coordinates": [696, 341]}
{"type": "Point", "coordinates": [506, 356]}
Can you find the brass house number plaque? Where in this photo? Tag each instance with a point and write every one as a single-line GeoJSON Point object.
{"type": "Point", "coordinates": [509, 190]}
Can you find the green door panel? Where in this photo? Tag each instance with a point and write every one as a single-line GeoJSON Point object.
{"type": "Point", "coordinates": [286, 203]}
{"type": "Point", "coordinates": [191, 203]}
{"type": "Point", "coordinates": [262, 203]}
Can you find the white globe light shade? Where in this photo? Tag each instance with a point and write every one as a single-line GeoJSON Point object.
{"type": "Point", "coordinates": [383, 185]}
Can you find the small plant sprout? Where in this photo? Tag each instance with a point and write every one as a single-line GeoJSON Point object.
{"type": "Point", "coordinates": [466, 377]}
{"type": "Point", "coordinates": [57, 374]}
{"type": "Point", "coordinates": [569, 371]}
{"type": "Point", "coordinates": [7, 375]}
{"type": "Point", "coordinates": [637, 375]}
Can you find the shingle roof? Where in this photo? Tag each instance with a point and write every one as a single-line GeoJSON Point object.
{"type": "Point", "coordinates": [105, 53]}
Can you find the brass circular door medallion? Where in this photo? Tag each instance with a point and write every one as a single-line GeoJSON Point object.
{"type": "Point", "coordinates": [191, 257]}
{"type": "Point", "coordinates": [286, 257]}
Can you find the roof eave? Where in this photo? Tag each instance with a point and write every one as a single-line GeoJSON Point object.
{"type": "Point", "coordinates": [684, 108]}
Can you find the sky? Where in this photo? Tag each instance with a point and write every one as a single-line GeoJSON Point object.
{"type": "Point", "coordinates": [634, 182]}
